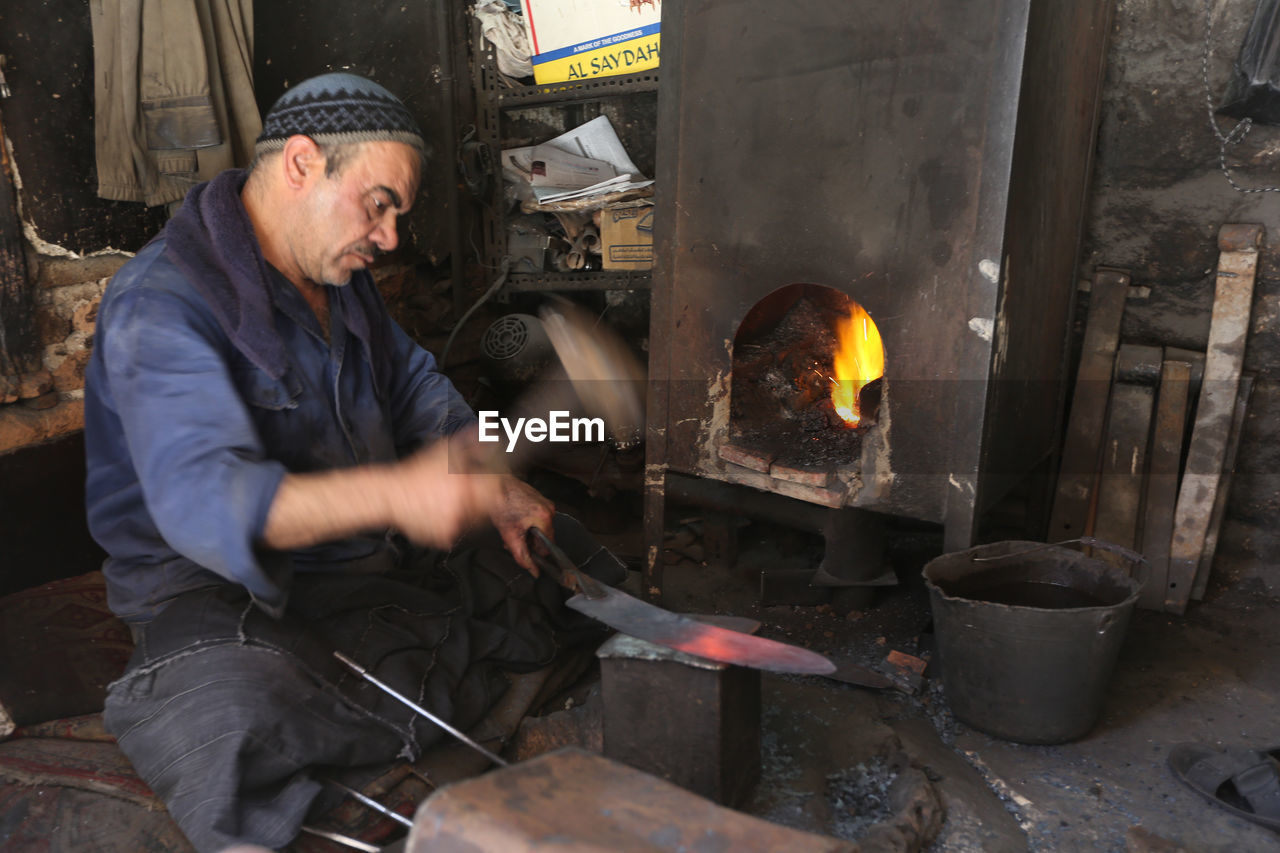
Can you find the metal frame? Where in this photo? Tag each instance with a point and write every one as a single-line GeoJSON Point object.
{"type": "Point", "coordinates": [492, 98]}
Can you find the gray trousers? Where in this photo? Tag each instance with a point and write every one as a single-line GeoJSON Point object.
{"type": "Point", "coordinates": [233, 718]}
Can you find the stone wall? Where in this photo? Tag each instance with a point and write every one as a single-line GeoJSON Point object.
{"type": "Point", "coordinates": [49, 402]}
{"type": "Point", "coordinates": [1158, 199]}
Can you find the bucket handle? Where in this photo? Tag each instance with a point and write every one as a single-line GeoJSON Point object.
{"type": "Point", "coordinates": [1133, 557]}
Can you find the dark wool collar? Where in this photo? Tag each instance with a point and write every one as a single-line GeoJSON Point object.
{"type": "Point", "coordinates": [212, 243]}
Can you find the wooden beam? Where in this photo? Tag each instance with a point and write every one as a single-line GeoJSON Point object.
{"type": "Point", "coordinates": [1162, 480]}
{"type": "Point", "coordinates": [1224, 356]}
{"type": "Point", "coordinates": [1081, 450]}
{"type": "Point", "coordinates": [1224, 488]}
{"type": "Point", "coordinates": [1124, 457]}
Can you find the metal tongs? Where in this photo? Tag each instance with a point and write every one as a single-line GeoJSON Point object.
{"type": "Point", "coordinates": [557, 565]}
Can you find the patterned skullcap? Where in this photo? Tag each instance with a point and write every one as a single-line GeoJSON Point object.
{"type": "Point", "coordinates": [337, 108]}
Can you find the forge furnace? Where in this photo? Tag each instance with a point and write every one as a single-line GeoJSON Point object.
{"type": "Point", "coordinates": [927, 163]}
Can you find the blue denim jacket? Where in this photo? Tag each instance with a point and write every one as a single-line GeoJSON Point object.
{"type": "Point", "coordinates": [187, 441]}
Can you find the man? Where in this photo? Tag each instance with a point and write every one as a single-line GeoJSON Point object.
{"type": "Point", "coordinates": [261, 439]}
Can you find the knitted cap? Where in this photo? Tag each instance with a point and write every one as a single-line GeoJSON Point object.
{"type": "Point", "coordinates": [337, 108]}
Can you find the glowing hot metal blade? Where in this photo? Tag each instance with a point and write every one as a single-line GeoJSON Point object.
{"type": "Point", "coordinates": [647, 622]}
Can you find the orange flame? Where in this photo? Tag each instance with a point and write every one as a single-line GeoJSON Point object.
{"type": "Point", "coordinates": [859, 359]}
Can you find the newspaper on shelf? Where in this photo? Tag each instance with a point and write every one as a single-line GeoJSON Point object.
{"type": "Point", "coordinates": [588, 160]}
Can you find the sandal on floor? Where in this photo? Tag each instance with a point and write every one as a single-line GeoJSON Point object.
{"type": "Point", "coordinates": [1245, 782]}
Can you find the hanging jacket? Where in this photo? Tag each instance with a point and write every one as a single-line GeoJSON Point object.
{"type": "Point", "coordinates": [173, 94]}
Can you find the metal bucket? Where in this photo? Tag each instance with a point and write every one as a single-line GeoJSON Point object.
{"type": "Point", "coordinates": [1028, 635]}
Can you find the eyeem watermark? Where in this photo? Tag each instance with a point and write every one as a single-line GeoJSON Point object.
{"type": "Point", "coordinates": [558, 427]}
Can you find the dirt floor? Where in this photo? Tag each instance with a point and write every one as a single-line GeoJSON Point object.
{"type": "Point", "coordinates": [891, 768]}
{"type": "Point", "coordinates": [831, 751]}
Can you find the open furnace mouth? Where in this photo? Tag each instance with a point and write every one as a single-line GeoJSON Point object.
{"type": "Point", "coordinates": [808, 367]}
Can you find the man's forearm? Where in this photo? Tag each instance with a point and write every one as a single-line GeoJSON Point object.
{"type": "Point", "coordinates": [423, 497]}
{"type": "Point", "coordinates": [313, 508]}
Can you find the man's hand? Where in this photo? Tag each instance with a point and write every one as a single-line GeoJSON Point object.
{"type": "Point", "coordinates": [438, 494]}
{"type": "Point", "coordinates": [520, 507]}
{"type": "Point", "coordinates": [431, 497]}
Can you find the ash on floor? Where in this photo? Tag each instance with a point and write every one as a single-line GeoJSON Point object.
{"type": "Point", "coordinates": [859, 797]}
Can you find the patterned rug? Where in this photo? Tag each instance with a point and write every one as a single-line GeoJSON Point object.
{"type": "Point", "coordinates": [59, 648]}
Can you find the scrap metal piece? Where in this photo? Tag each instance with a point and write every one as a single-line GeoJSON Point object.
{"type": "Point", "coordinates": [852, 673]}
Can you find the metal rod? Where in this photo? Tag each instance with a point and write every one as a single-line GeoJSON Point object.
{"type": "Point", "coordinates": [373, 804]}
{"type": "Point", "coordinates": [364, 673]}
{"type": "Point", "coordinates": [343, 839]}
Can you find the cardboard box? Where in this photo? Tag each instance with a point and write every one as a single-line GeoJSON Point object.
{"type": "Point", "coordinates": [580, 39]}
{"type": "Point", "coordinates": [626, 236]}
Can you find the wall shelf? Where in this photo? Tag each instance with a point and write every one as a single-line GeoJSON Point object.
{"type": "Point", "coordinates": [579, 90]}
{"type": "Point", "coordinates": [494, 97]}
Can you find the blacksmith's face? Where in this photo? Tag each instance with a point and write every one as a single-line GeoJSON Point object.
{"type": "Point", "coordinates": [353, 212]}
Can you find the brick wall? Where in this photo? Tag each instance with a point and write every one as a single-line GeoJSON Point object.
{"type": "Point", "coordinates": [49, 402]}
